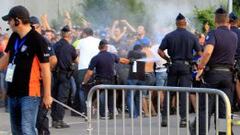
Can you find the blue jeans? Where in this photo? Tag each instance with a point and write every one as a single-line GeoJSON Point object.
{"type": "Point", "coordinates": [150, 80]}
{"type": "Point", "coordinates": [83, 97]}
{"type": "Point", "coordinates": [23, 115]}
{"type": "Point", "coordinates": [161, 78]}
{"type": "Point", "coordinates": [136, 99]}
{"type": "Point", "coordinates": [81, 92]}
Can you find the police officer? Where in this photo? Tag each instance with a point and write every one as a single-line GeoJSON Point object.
{"type": "Point", "coordinates": [180, 45]}
{"type": "Point", "coordinates": [66, 56]}
{"type": "Point", "coordinates": [103, 64]}
{"type": "Point", "coordinates": [234, 27]}
{"type": "Point", "coordinates": [217, 62]}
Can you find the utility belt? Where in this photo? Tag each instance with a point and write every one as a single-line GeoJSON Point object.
{"type": "Point", "coordinates": [161, 69]}
{"type": "Point", "coordinates": [102, 80]}
{"type": "Point", "coordinates": [225, 68]}
{"type": "Point", "coordinates": [181, 62]}
{"type": "Point", "coordinates": [221, 69]}
{"type": "Point", "coordinates": [149, 73]}
{"type": "Point", "coordinates": [67, 73]}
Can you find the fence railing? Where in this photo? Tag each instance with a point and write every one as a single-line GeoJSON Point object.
{"type": "Point", "coordinates": [103, 90]}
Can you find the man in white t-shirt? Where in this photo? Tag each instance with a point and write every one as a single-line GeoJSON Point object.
{"type": "Point", "coordinates": [87, 49]}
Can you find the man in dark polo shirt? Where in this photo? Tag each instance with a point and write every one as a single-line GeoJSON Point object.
{"type": "Point", "coordinates": [180, 45]}
{"type": "Point", "coordinates": [217, 62]}
{"type": "Point", "coordinates": [42, 119]}
{"type": "Point", "coordinates": [27, 61]}
{"type": "Point", "coordinates": [103, 64]}
{"type": "Point", "coordinates": [66, 56]}
{"type": "Point", "coordinates": [234, 27]}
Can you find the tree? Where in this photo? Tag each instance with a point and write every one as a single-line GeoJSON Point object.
{"type": "Point", "coordinates": [203, 16]}
{"type": "Point", "coordinates": [236, 5]}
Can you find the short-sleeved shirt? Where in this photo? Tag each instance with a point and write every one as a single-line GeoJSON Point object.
{"type": "Point", "coordinates": [143, 41]}
{"type": "Point", "coordinates": [88, 48]}
{"type": "Point", "coordinates": [139, 75]}
{"type": "Point", "coordinates": [65, 53]}
{"type": "Point", "coordinates": [237, 31]}
{"type": "Point", "coordinates": [180, 44]}
{"type": "Point", "coordinates": [50, 47]}
{"type": "Point", "coordinates": [103, 63]}
{"type": "Point", "coordinates": [225, 46]}
{"type": "Point", "coordinates": [26, 78]}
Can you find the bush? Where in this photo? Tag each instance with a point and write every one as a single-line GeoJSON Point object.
{"type": "Point", "coordinates": [203, 16]}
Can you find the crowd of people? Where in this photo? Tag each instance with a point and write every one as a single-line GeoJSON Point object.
{"type": "Point", "coordinates": [38, 62]}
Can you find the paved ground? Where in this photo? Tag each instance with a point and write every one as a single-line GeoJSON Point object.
{"type": "Point", "coordinates": [79, 126]}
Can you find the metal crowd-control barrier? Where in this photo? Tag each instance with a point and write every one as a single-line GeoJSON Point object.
{"type": "Point", "coordinates": [94, 127]}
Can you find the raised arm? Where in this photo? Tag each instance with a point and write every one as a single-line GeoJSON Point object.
{"type": "Point", "coordinates": [128, 25]}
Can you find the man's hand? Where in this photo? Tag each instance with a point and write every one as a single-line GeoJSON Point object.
{"type": "Point", "coordinates": [124, 21]}
{"type": "Point", "coordinates": [116, 22]}
{"type": "Point", "coordinates": [47, 101]}
{"type": "Point", "coordinates": [124, 61]}
{"type": "Point", "coordinates": [200, 67]}
{"type": "Point", "coordinates": [199, 74]}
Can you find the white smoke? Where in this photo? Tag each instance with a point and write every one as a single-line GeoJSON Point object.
{"type": "Point", "coordinates": [164, 12]}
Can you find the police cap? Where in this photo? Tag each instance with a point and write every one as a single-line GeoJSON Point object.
{"type": "Point", "coordinates": [66, 29]}
{"type": "Point", "coordinates": [233, 16]}
{"type": "Point", "coordinates": [34, 20]}
{"type": "Point", "coordinates": [103, 42]}
{"type": "Point", "coordinates": [221, 10]}
{"type": "Point", "coordinates": [180, 17]}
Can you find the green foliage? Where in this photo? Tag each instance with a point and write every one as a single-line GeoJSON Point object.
{"type": "Point", "coordinates": [236, 7]}
{"type": "Point", "coordinates": [204, 15]}
{"type": "Point", "coordinates": [207, 15]}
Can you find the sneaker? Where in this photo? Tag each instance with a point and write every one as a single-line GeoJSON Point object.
{"type": "Point", "coordinates": [183, 123]}
{"type": "Point", "coordinates": [172, 111]}
{"type": "Point", "coordinates": [54, 124]}
{"type": "Point", "coordinates": [164, 122]}
{"type": "Point", "coordinates": [192, 128]}
{"type": "Point", "coordinates": [63, 124]}
{"type": "Point", "coordinates": [104, 118]}
{"type": "Point", "coordinates": [110, 115]}
{"type": "Point", "coordinates": [60, 124]}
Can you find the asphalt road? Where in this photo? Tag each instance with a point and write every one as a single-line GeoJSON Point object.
{"type": "Point", "coordinates": [79, 126]}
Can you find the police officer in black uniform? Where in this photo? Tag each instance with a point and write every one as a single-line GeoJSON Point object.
{"type": "Point", "coordinates": [234, 27]}
{"type": "Point", "coordinates": [66, 56]}
{"type": "Point", "coordinates": [217, 62]}
{"type": "Point", "coordinates": [180, 45]}
{"type": "Point", "coordinates": [103, 64]}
